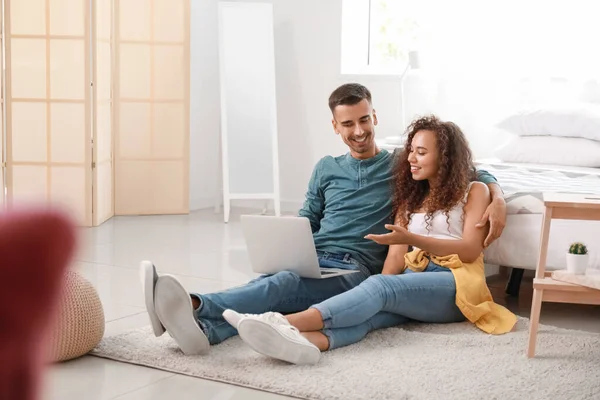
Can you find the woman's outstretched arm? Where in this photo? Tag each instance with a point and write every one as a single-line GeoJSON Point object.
{"type": "Point", "coordinates": [468, 248]}
{"type": "Point", "coordinates": [394, 262]}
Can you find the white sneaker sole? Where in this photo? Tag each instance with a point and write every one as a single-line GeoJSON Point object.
{"type": "Point", "coordinates": [265, 339]}
{"type": "Point", "coordinates": [149, 277]}
{"type": "Point", "coordinates": [174, 308]}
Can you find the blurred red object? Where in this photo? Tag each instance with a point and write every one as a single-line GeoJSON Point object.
{"type": "Point", "coordinates": [36, 246]}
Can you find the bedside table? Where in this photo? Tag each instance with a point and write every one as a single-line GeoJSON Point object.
{"type": "Point", "coordinates": [560, 206]}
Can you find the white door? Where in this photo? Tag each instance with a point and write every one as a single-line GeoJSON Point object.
{"type": "Point", "coordinates": [49, 152]}
{"type": "Point", "coordinates": [151, 107]}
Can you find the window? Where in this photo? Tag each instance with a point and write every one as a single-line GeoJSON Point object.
{"type": "Point", "coordinates": [512, 37]}
{"type": "Point", "coordinates": [378, 34]}
{"type": "Point", "coordinates": [395, 28]}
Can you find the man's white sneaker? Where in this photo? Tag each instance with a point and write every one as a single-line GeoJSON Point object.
{"type": "Point", "coordinates": [174, 308]}
{"type": "Point", "coordinates": [280, 341]}
{"type": "Point", "coordinates": [234, 317]}
{"type": "Point", "coordinates": [149, 277]}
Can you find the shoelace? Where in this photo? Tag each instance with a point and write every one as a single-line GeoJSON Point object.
{"type": "Point", "coordinates": [292, 328]}
{"type": "Point", "coordinates": [275, 318]}
{"type": "Point", "coordinates": [278, 319]}
{"type": "Point", "coordinates": [270, 317]}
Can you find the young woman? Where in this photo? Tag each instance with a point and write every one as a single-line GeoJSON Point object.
{"type": "Point", "coordinates": [436, 209]}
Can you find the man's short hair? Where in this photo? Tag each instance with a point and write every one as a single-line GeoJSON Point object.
{"type": "Point", "coordinates": [348, 95]}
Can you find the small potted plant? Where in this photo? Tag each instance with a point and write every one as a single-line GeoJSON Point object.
{"type": "Point", "coordinates": [577, 259]}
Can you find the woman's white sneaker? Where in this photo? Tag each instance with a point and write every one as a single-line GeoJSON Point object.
{"type": "Point", "coordinates": [234, 317]}
{"type": "Point", "coordinates": [281, 341]}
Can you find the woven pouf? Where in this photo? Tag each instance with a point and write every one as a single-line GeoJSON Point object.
{"type": "Point", "coordinates": [80, 320]}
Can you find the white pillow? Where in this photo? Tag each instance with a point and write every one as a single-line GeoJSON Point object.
{"type": "Point", "coordinates": [551, 150]}
{"type": "Point", "coordinates": [590, 92]}
{"type": "Point", "coordinates": [577, 120]}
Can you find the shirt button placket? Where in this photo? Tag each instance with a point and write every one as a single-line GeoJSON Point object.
{"type": "Point", "coordinates": [362, 176]}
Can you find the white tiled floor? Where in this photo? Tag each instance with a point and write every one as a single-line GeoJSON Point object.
{"type": "Point", "coordinates": [203, 252]}
{"type": "Point", "coordinates": [206, 255]}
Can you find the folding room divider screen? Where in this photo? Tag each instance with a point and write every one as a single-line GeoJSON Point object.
{"type": "Point", "coordinates": [48, 103]}
{"type": "Point", "coordinates": [80, 89]}
{"type": "Point", "coordinates": [152, 106]}
{"type": "Point", "coordinates": [2, 160]}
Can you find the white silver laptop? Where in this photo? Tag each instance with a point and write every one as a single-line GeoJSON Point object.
{"type": "Point", "coordinates": [278, 244]}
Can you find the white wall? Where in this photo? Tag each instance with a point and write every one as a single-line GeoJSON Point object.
{"type": "Point", "coordinates": [307, 65]}
{"type": "Point", "coordinates": [308, 47]}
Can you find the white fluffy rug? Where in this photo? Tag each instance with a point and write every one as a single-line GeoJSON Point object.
{"type": "Point", "coordinates": [416, 361]}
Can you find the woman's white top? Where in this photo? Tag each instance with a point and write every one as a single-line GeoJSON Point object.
{"type": "Point", "coordinates": [439, 226]}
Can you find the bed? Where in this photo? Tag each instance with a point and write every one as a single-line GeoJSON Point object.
{"type": "Point", "coordinates": [545, 135]}
{"type": "Point", "coordinates": [523, 185]}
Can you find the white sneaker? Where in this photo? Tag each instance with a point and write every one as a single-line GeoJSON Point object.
{"type": "Point", "coordinates": [174, 308]}
{"type": "Point", "coordinates": [234, 317]}
{"type": "Point", "coordinates": [280, 341]}
{"type": "Point", "coordinates": [149, 277]}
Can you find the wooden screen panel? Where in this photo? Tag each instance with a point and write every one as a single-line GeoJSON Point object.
{"type": "Point", "coordinates": [26, 17]}
{"type": "Point", "coordinates": [27, 67]}
{"type": "Point", "coordinates": [48, 104]}
{"type": "Point", "coordinates": [2, 135]}
{"type": "Point", "coordinates": [103, 188]}
{"type": "Point", "coordinates": [2, 168]}
{"type": "Point", "coordinates": [152, 107]}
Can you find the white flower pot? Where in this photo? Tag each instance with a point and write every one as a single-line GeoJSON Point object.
{"type": "Point", "coordinates": [577, 263]}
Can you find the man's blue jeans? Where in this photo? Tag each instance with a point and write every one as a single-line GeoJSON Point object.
{"type": "Point", "coordinates": [284, 292]}
{"type": "Point", "coordinates": [383, 301]}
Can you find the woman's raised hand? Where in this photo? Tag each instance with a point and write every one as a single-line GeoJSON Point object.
{"type": "Point", "coordinates": [398, 235]}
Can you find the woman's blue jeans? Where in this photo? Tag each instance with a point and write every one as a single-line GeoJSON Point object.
{"type": "Point", "coordinates": [382, 301]}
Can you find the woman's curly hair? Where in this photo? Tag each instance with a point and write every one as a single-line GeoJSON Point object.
{"type": "Point", "coordinates": [455, 172]}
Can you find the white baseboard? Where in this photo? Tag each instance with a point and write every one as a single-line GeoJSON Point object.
{"type": "Point", "coordinates": [200, 203]}
{"type": "Point", "coordinates": [291, 206]}
{"type": "Point", "coordinates": [287, 206]}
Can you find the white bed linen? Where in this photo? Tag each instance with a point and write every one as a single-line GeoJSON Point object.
{"type": "Point", "coordinates": [519, 244]}
{"type": "Point", "coordinates": [552, 167]}
{"type": "Point", "coordinates": [523, 185]}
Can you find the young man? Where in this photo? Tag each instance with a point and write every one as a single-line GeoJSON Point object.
{"type": "Point", "coordinates": [348, 197]}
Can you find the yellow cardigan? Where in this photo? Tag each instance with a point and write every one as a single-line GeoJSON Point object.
{"type": "Point", "coordinates": [473, 298]}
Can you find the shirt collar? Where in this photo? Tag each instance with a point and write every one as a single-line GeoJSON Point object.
{"type": "Point", "coordinates": [353, 161]}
